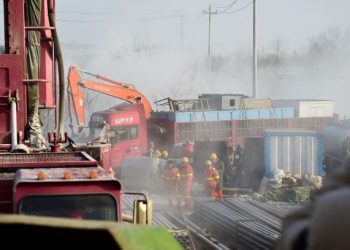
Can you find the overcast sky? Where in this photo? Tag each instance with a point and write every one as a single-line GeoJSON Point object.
{"type": "Point", "coordinates": [179, 31]}
{"type": "Point", "coordinates": [167, 21]}
{"type": "Point", "coordinates": [105, 30]}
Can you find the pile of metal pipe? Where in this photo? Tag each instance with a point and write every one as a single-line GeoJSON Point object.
{"type": "Point", "coordinates": [277, 209]}
{"type": "Point", "coordinates": [248, 224]}
{"type": "Point", "coordinates": [255, 235]}
{"type": "Point", "coordinates": [254, 212]}
{"type": "Point", "coordinates": [218, 217]}
{"type": "Point", "coordinates": [197, 232]}
{"type": "Point", "coordinates": [160, 220]}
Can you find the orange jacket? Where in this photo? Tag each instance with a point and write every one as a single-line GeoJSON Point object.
{"type": "Point", "coordinates": [212, 177]}
{"type": "Point", "coordinates": [186, 177]}
{"type": "Point", "coordinates": [186, 173]}
{"type": "Point", "coordinates": [171, 175]}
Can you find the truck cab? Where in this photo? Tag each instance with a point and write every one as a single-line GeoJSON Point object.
{"type": "Point", "coordinates": [65, 184]}
{"type": "Point", "coordinates": [127, 131]}
{"type": "Point", "coordinates": [78, 193]}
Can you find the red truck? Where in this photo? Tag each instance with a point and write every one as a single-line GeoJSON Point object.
{"type": "Point", "coordinates": [58, 185]}
{"type": "Point", "coordinates": [35, 178]}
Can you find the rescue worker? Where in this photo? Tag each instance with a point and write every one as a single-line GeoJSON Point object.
{"type": "Point", "coordinates": [238, 174]}
{"type": "Point", "coordinates": [170, 178]}
{"type": "Point", "coordinates": [185, 183]}
{"type": "Point", "coordinates": [212, 179]}
{"type": "Point", "coordinates": [151, 149]}
{"type": "Point", "coordinates": [164, 155]}
{"type": "Point", "coordinates": [163, 159]}
{"type": "Point", "coordinates": [156, 154]}
{"type": "Point", "coordinates": [238, 158]}
{"type": "Point", "coordinates": [220, 167]}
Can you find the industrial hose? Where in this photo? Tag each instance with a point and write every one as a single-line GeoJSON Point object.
{"type": "Point", "coordinates": [59, 57]}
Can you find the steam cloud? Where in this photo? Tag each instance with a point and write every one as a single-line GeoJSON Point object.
{"type": "Point", "coordinates": [151, 55]}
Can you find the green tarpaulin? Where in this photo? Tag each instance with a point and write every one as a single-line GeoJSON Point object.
{"type": "Point", "coordinates": [33, 14]}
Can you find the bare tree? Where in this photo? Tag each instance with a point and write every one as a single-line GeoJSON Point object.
{"type": "Point", "coordinates": [329, 44]}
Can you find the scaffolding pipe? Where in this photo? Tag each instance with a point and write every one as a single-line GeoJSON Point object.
{"type": "Point", "coordinates": [13, 124]}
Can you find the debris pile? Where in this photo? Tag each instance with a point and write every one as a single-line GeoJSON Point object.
{"type": "Point", "coordinates": [285, 187]}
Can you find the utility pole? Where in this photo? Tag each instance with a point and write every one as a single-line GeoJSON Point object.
{"type": "Point", "coordinates": [255, 57]}
{"type": "Point", "coordinates": [182, 25]}
{"type": "Point", "coordinates": [209, 35]}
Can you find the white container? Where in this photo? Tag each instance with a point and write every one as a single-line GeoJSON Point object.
{"type": "Point", "coordinates": [308, 108]}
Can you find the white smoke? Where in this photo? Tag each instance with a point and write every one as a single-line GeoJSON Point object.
{"type": "Point", "coordinates": [144, 48]}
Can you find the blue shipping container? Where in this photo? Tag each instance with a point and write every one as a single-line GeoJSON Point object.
{"type": "Point", "coordinates": [226, 115]}
{"type": "Point", "coordinates": [294, 151]}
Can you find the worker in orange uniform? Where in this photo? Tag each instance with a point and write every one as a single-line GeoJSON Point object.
{"type": "Point", "coordinates": [170, 178]}
{"type": "Point", "coordinates": [220, 167]}
{"type": "Point", "coordinates": [212, 179]}
{"type": "Point", "coordinates": [185, 182]}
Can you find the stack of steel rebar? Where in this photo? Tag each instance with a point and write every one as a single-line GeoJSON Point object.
{"type": "Point", "coordinates": [254, 213]}
{"type": "Point", "coordinates": [208, 240]}
{"type": "Point", "coordinates": [250, 224]}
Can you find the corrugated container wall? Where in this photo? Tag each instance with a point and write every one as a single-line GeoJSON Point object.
{"type": "Point", "coordinates": [298, 152]}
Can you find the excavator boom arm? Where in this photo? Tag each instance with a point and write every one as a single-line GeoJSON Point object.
{"type": "Point", "coordinates": [76, 97]}
{"type": "Point", "coordinates": [118, 90]}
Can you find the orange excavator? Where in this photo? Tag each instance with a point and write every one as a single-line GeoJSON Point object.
{"type": "Point", "coordinates": [122, 91]}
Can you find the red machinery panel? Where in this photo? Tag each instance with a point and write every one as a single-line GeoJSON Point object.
{"type": "Point", "coordinates": [12, 69]}
{"type": "Point", "coordinates": [12, 61]}
{"type": "Point", "coordinates": [13, 162]}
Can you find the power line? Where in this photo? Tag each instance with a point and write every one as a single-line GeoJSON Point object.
{"type": "Point", "coordinates": [237, 10]}
{"type": "Point", "coordinates": [222, 11]}
{"type": "Point", "coordinates": [159, 18]}
{"type": "Point", "coordinates": [196, 19]}
{"type": "Point", "coordinates": [115, 13]}
{"type": "Point", "coordinates": [224, 7]}
{"type": "Point", "coordinates": [116, 21]}
{"type": "Point", "coordinates": [82, 21]}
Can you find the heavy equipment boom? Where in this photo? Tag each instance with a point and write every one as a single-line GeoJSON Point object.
{"type": "Point", "coordinates": [109, 87]}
